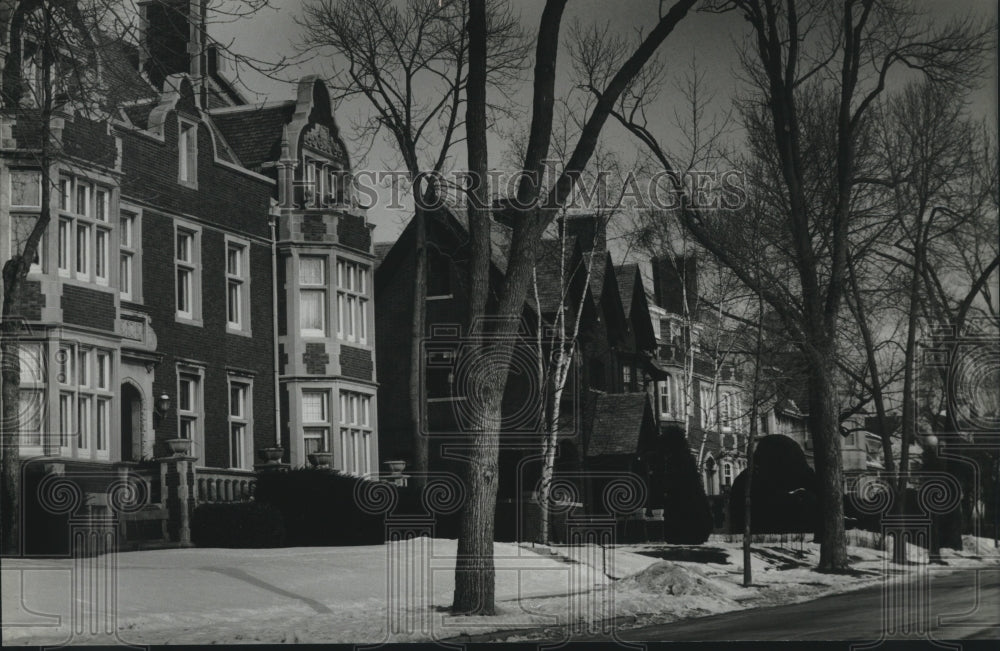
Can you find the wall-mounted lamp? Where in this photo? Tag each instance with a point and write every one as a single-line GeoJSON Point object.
{"type": "Point", "coordinates": [162, 405]}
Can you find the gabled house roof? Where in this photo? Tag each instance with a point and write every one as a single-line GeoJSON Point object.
{"type": "Point", "coordinates": [635, 305]}
{"type": "Point", "coordinates": [254, 132]}
{"type": "Point", "coordinates": [619, 421]}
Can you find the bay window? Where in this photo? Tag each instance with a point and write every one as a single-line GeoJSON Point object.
{"type": "Point", "coordinates": [312, 296]}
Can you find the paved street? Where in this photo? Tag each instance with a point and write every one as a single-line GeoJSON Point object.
{"type": "Point", "coordinates": [958, 611]}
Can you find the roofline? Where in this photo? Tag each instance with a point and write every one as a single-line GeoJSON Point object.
{"type": "Point", "coordinates": [251, 107]}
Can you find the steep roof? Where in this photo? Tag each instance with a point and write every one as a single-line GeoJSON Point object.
{"type": "Point", "coordinates": [550, 275]}
{"type": "Point", "coordinates": [254, 132]}
{"type": "Point", "coordinates": [381, 249]}
{"type": "Point", "coordinates": [625, 275]}
{"type": "Point", "coordinates": [617, 423]}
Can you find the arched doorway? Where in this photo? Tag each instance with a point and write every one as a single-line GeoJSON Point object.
{"type": "Point", "coordinates": [131, 441]}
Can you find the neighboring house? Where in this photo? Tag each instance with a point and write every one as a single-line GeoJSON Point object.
{"type": "Point", "coordinates": [608, 369]}
{"type": "Point", "coordinates": [154, 309]}
{"type": "Point", "coordinates": [716, 413]}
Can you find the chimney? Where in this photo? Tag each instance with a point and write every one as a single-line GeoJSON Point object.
{"type": "Point", "coordinates": [590, 231]}
{"type": "Point", "coordinates": [670, 276]}
{"type": "Point", "coordinates": [170, 37]}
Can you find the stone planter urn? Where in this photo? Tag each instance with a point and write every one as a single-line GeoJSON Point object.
{"type": "Point", "coordinates": [180, 447]}
{"type": "Point", "coordinates": [271, 455]}
{"type": "Point", "coordinates": [321, 459]}
{"type": "Point", "coordinates": [395, 466]}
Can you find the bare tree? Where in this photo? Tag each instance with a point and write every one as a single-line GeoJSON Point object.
{"type": "Point", "coordinates": [474, 572]}
{"type": "Point", "coordinates": [410, 64]}
{"type": "Point", "coordinates": [814, 70]}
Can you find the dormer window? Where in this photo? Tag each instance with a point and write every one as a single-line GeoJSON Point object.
{"type": "Point", "coordinates": [187, 153]}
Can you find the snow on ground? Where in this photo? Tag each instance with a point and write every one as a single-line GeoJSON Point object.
{"type": "Point", "coordinates": [401, 591]}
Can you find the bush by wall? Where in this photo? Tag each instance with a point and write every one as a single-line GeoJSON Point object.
{"type": "Point", "coordinates": [238, 525]}
{"type": "Point", "coordinates": [322, 507]}
{"type": "Point", "coordinates": [687, 516]}
{"type": "Point", "coordinates": [784, 493]}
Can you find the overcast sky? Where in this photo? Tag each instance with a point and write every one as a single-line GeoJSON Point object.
{"type": "Point", "coordinates": [709, 38]}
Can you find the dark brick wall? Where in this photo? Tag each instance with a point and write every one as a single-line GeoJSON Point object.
{"type": "Point", "coordinates": [88, 307]}
{"type": "Point", "coordinates": [313, 228]}
{"type": "Point", "coordinates": [210, 344]}
{"type": "Point", "coordinates": [82, 138]}
{"type": "Point", "coordinates": [354, 233]}
{"type": "Point", "coordinates": [316, 359]}
{"type": "Point", "coordinates": [90, 141]}
{"type": "Point", "coordinates": [224, 196]}
{"type": "Point", "coordinates": [355, 363]}
{"type": "Point", "coordinates": [31, 302]}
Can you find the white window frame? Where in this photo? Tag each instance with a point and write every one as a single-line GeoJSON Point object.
{"type": "Point", "coordinates": [318, 289]}
{"type": "Point", "coordinates": [192, 267]}
{"type": "Point", "coordinates": [240, 280]}
{"type": "Point", "coordinates": [242, 418]}
{"type": "Point", "coordinates": [353, 280]}
{"type": "Point", "coordinates": [12, 172]}
{"type": "Point", "coordinates": [65, 235]}
{"type": "Point", "coordinates": [356, 432]}
{"type": "Point", "coordinates": [313, 428]}
{"type": "Point", "coordinates": [130, 249]}
{"type": "Point", "coordinates": [82, 257]}
{"type": "Point", "coordinates": [195, 414]}
{"type": "Point", "coordinates": [187, 153]}
{"type": "Point", "coordinates": [102, 255]}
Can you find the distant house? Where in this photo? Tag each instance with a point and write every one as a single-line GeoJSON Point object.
{"type": "Point", "coordinates": [614, 350]}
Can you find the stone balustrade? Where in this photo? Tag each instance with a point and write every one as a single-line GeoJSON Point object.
{"type": "Point", "coordinates": [220, 485]}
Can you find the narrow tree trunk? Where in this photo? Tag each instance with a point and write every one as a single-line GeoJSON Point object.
{"type": "Point", "coordinates": [751, 443]}
{"type": "Point", "coordinates": [420, 441]}
{"type": "Point", "coordinates": [13, 274]}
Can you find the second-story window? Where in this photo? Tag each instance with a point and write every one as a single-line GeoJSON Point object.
{"type": "Point", "coordinates": [316, 420]}
{"type": "Point", "coordinates": [130, 271]}
{"type": "Point", "coordinates": [237, 291]}
{"type": "Point", "coordinates": [312, 295]}
{"type": "Point", "coordinates": [626, 377]}
{"type": "Point", "coordinates": [352, 302]}
{"type": "Point", "coordinates": [188, 276]}
{"type": "Point", "coordinates": [239, 423]}
{"type": "Point", "coordinates": [667, 397]}
{"type": "Point", "coordinates": [187, 153]}
{"type": "Point", "coordinates": [84, 231]}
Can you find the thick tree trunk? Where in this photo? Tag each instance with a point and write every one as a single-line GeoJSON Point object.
{"type": "Point", "coordinates": [475, 575]}
{"type": "Point", "coordinates": [13, 275]}
{"type": "Point", "coordinates": [474, 570]}
{"type": "Point", "coordinates": [824, 428]}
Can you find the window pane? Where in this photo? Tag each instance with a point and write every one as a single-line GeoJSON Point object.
{"type": "Point", "coordinates": [83, 423]}
{"type": "Point", "coordinates": [65, 418]}
{"type": "Point", "coordinates": [101, 254]}
{"type": "Point", "coordinates": [127, 224]}
{"type": "Point", "coordinates": [316, 439]}
{"type": "Point", "coordinates": [314, 406]}
{"type": "Point", "coordinates": [102, 424]}
{"type": "Point", "coordinates": [186, 397]}
{"type": "Point", "coordinates": [101, 199]}
{"type": "Point", "coordinates": [184, 290]}
{"type": "Point", "coordinates": [311, 308]}
{"type": "Point", "coordinates": [237, 400]}
{"type": "Point", "coordinates": [234, 260]}
{"type": "Point", "coordinates": [83, 199]}
{"type": "Point", "coordinates": [312, 270]}
{"type": "Point", "coordinates": [233, 292]}
{"type": "Point", "coordinates": [64, 244]}
{"type": "Point", "coordinates": [184, 246]}
{"type": "Point", "coordinates": [82, 248]}
{"type": "Point", "coordinates": [83, 366]}
{"type": "Point", "coordinates": [103, 370]}
{"type": "Point", "coordinates": [237, 435]}
{"type": "Point", "coordinates": [65, 194]}
{"type": "Point", "coordinates": [25, 188]}
{"type": "Point", "coordinates": [125, 275]}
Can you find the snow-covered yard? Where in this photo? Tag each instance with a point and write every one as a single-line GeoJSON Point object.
{"type": "Point", "coordinates": [400, 591]}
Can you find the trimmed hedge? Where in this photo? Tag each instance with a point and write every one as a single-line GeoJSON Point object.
{"type": "Point", "coordinates": [687, 515]}
{"type": "Point", "coordinates": [237, 525]}
{"type": "Point", "coordinates": [321, 507]}
{"type": "Point", "coordinates": [783, 498]}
